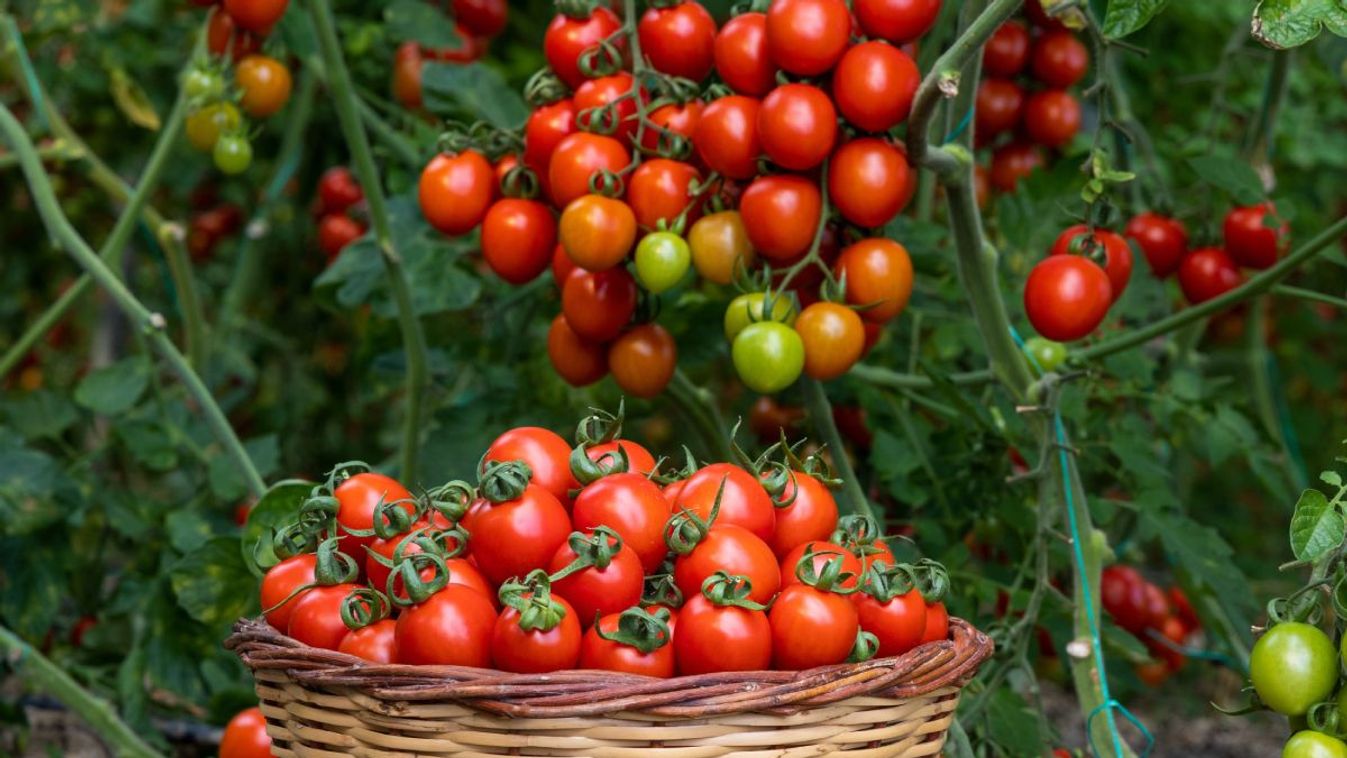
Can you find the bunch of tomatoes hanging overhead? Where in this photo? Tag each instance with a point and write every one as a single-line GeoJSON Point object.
{"type": "Point", "coordinates": [599, 557]}
{"type": "Point", "coordinates": [476, 23]}
{"type": "Point", "coordinates": [760, 154]}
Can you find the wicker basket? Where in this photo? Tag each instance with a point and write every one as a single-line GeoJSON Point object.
{"type": "Point", "coordinates": [324, 703]}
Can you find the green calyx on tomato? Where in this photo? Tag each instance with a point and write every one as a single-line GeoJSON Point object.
{"type": "Point", "coordinates": [588, 470]}
{"type": "Point", "coordinates": [1293, 666]}
{"type": "Point", "coordinates": [591, 550]}
{"type": "Point", "coordinates": [532, 598]}
{"type": "Point", "coordinates": [662, 260]}
{"type": "Point", "coordinates": [752, 307]}
{"type": "Point", "coordinates": [831, 578]}
{"type": "Point", "coordinates": [768, 356]}
{"type": "Point", "coordinates": [503, 481]}
{"type": "Point", "coordinates": [725, 589]}
{"type": "Point", "coordinates": [647, 631]}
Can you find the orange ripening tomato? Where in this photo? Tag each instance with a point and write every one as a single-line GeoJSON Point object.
{"type": "Point", "coordinates": [643, 360]}
{"type": "Point", "coordinates": [597, 232]}
{"type": "Point", "coordinates": [578, 361]}
{"type": "Point", "coordinates": [879, 275]}
{"type": "Point", "coordinates": [265, 83]}
{"type": "Point", "coordinates": [455, 191]}
{"type": "Point", "coordinates": [660, 190]}
{"type": "Point", "coordinates": [834, 339]}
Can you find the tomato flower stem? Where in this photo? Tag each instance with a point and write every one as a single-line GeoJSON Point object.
{"type": "Point", "coordinates": [853, 499]}
{"type": "Point", "coordinates": [413, 337]}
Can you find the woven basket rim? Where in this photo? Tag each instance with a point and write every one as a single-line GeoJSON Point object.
{"type": "Point", "coordinates": [580, 692]}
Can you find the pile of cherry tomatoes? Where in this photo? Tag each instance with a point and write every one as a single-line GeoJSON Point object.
{"type": "Point", "coordinates": [1163, 620]}
{"type": "Point", "coordinates": [476, 22]}
{"type": "Point", "coordinates": [1024, 103]}
{"type": "Point", "coordinates": [758, 154]}
{"type": "Point", "coordinates": [599, 557]}
{"type": "Point", "coordinates": [339, 207]}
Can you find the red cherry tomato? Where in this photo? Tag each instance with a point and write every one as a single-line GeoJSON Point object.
{"type": "Point", "coordinates": [518, 237]}
{"type": "Point", "coordinates": [451, 628]}
{"type": "Point", "coordinates": [546, 127]}
{"type": "Point", "coordinates": [1007, 51]}
{"type": "Point", "coordinates": [1117, 253]}
{"type": "Point", "coordinates": [1066, 297]}
{"type": "Point", "coordinates": [245, 736]}
{"type": "Point", "coordinates": [512, 538]}
{"type": "Point", "coordinates": [741, 55]}
{"type": "Point", "coordinates": [897, 21]}
{"type": "Point", "coordinates": [1163, 240]}
{"type": "Point", "coordinates": [797, 126]}
{"type": "Point", "coordinates": [713, 638]}
{"type": "Point", "coordinates": [256, 16]}
{"type": "Point", "coordinates": [1051, 118]}
{"type": "Point", "coordinates": [643, 360]}
{"type": "Point", "coordinates": [807, 37]}
{"type": "Point", "coordinates": [223, 36]}
{"type": "Point", "coordinates": [577, 360]}
{"type": "Point", "coordinates": [469, 48]}
{"type": "Point", "coordinates": [455, 191]}
{"type": "Point", "coordinates": [316, 618]}
{"type": "Point", "coordinates": [535, 651]}
{"type": "Point", "coordinates": [823, 553]}
{"type": "Point", "coordinates": [598, 305]}
{"type": "Point", "coordinates": [639, 459]}
{"type": "Point", "coordinates": [606, 655]}
{"type": "Point", "coordinates": [899, 624]}
{"type": "Point", "coordinates": [937, 623]}
{"type": "Point", "coordinates": [484, 18]}
{"type": "Point", "coordinates": [338, 190]}
{"type": "Point", "coordinates": [1000, 103]}
{"type": "Point", "coordinates": [874, 85]}
{"type": "Point", "coordinates": [679, 40]}
{"type": "Point", "coordinates": [631, 505]}
{"type": "Point", "coordinates": [578, 158]}
{"type": "Point", "coordinates": [548, 456]}
{"type": "Point", "coordinates": [879, 275]}
{"type": "Point", "coordinates": [376, 643]}
{"type": "Point", "coordinates": [1122, 593]}
{"type": "Point", "coordinates": [336, 231]}
{"type": "Point", "coordinates": [660, 189]}
{"type": "Point", "coordinates": [1249, 240]}
{"type": "Point", "coordinates": [744, 502]}
{"type": "Point", "coordinates": [280, 583]}
{"type": "Point", "coordinates": [1208, 273]}
{"type": "Point", "coordinates": [811, 515]}
{"type": "Point", "coordinates": [727, 138]}
{"type": "Point", "coordinates": [595, 591]}
{"type": "Point", "coordinates": [593, 114]}
{"type": "Point", "coordinates": [1012, 163]}
{"type": "Point", "coordinates": [731, 548]}
{"type": "Point", "coordinates": [567, 38]}
{"type": "Point", "coordinates": [357, 498]}
{"type": "Point", "coordinates": [781, 215]}
{"type": "Point", "coordinates": [867, 181]}
{"type": "Point", "coordinates": [1059, 59]}
{"type": "Point", "coordinates": [680, 119]}
{"type": "Point", "coordinates": [811, 628]}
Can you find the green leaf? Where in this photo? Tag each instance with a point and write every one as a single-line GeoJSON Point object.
{"type": "Point", "coordinates": [1227, 433]}
{"type": "Point", "coordinates": [31, 584]}
{"type": "Point", "coordinates": [114, 389]}
{"type": "Point", "coordinates": [34, 491]}
{"type": "Point", "coordinates": [150, 443]}
{"type": "Point", "coordinates": [1013, 724]}
{"type": "Point", "coordinates": [189, 529]}
{"type": "Point", "coordinates": [1317, 527]}
{"type": "Point", "coordinates": [1233, 176]}
{"type": "Point", "coordinates": [278, 507]}
{"type": "Point", "coordinates": [476, 88]}
{"type": "Point", "coordinates": [213, 584]}
{"type": "Point", "coordinates": [1331, 478]}
{"type": "Point", "coordinates": [227, 482]}
{"type": "Point", "coordinates": [1127, 16]}
{"type": "Point", "coordinates": [1206, 556]}
{"type": "Point", "coordinates": [421, 22]}
{"type": "Point", "coordinates": [1282, 24]}
{"type": "Point", "coordinates": [42, 413]}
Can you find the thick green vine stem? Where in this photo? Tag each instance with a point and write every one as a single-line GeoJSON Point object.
{"type": "Point", "coordinates": [153, 325]}
{"type": "Point", "coordinates": [821, 412]}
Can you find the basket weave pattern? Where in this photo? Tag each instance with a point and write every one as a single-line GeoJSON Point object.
{"type": "Point", "coordinates": [324, 703]}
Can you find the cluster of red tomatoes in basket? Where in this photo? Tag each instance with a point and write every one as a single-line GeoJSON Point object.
{"type": "Point", "coordinates": [1068, 294]}
{"type": "Point", "coordinates": [1163, 620]}
{"type": "Point", "coordinates": [592, 557]}
{"type": "Point", "coordinates": [339, 206]}
{"type": "Point", "coordinates": [476, 22]}
{"type": "Point", "coordinates": [634, 173]}
{"type": "Point", "coordinates": [1024, 103]}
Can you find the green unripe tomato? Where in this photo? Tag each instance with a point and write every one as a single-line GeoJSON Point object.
{"type": "Point", "coordinates": [1293, 666]}
{"type": "Point", "coordinates": [749, 308]}
{"type": "Point", "coordinates": [1047, 354]}
{"type": "Point", "coordinates": [662, 259]}
{"type": "Point", "coordinates": [233, 154]}
{"type": "Point", "coordinates": [1308, 744]}
{"type": "Point", "coordinates": [205, 125]}
{"type": "Point", "coordinates": [203, 84]}
{"type": "Point", "coordinates": [768, 356]}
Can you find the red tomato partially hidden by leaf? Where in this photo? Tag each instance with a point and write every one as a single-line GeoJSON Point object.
{"type": "Point", "coordinates": [823, 553]}
{"type": "Point", "coordinates": [1066, 297]}
{"type": "Point", "coordinates": [602, 105]}
{"type": "Point", "coordinates": [639, 459]}
{"type": "Point", "coordinates": [336, 231]}
{"type": "Point", "coordinates": [357, 498]}
{"type": "Point", "coordinates": [607, 655]}
{"type": "Point", "coordinates": [1249, 240]}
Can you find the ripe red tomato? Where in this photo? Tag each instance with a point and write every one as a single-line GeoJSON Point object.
{"type": "Point", "coordinates": [660, 189]}
{"type": "Point", "coordinates": [578, 361]}
{"type": "Point", "coordinates": [576, 159]}
{"type": "Point", "coordinates": [713, 638]}
{"type": "Point", "coordinates": [1052, 118]}
{"type": "Point", "coordinates": [315, 618]}
{"type": "Point", "coordinates": [867, 181]}
{"type": "Point", "coordinates": [1007, 51]}
{"type": "Point", "coordinates": [597, 232]}
{"type": "Point", "coordinates": [512, 538]}
{"type": "Point", "coordinates": [1000, 103]}
{"type": "Point", "coordinates": [451, 628]}
{"type": "Point", "coordinates": [1173, 630]}
{"type": "Point", "coordinates": [1183, 609]}
{"type": "Point", "coordinates": [357, 498]}
{"type": "Point", "coordinates": [639, 459]}
{"type": "Point", "coordinates": [517, 239]}
{"type": "Point", "coordinates": [245, 736]}
{"type": "Point", "coordinates": [797, 126]}
{"type": "Point", "coordinates": [834, 339]}
{"type": "Point", "coordinates": [536, 651]}
{"type": "Point", "coordinates": [744, 501]}
{"type": "Point", "coordinates": [897, 21]}
{"type": "Point", "coordinates": [338, 190]}
{"type": "Point", "coordinates": [1207, 273]}
{"type": "Point", "coordinates": [823, 553]}
{"type": "Point", "coordinates": [567, 38]}
{"type": "Point", "coordinates": [631, 505]}
{"type": "Point", "coordinates": [484, 18]}
{"type": "Point", "coordinates": [280, 582]}
{"type": "Point", "coordinates": [937, 623]}
{"type": "Point", "coordinates": [874, 85]}
{"type": "Point", "coordinates": [591, 113]}
{"type": "Point", "coordinates": [1163, 240]}
{"type": "Point", "coordinates": [741, 55]}
{"type": "Point", "coordinates": [595, 591]}
{"type": "Point", "coordinates": [603, 654]}
{"type": "Point", "coordinates": [406, 83]}
{"type": "Point", "coordinates": [1012, 163]}
{"type": "Point", "coordinates": [727, 138]}
{"type": "Point", "coordinates": [878, 274]}
{"type": "Point", "coordinates": [1121, 594]}
{"type": "Point", "coordinates": [643, 360]}
{"type": "Point", "coordinates": [1066, 297]}
{"type": "Point", "coordinates": [597, 306]}
{"type": "Point", "coordinates": [899, 624]}
{"type": "Point", "coordinates": [679, 40]}
{"type": "Point", "coordinates": [1249, 240]}
{"type": "Point", "coordinates": [676, 118]}
{"type": "Point", "coordinates": [223, 35]}
{"type": "Point", "coordinates": [469, 48]}
{"type": "Point", "coordinates": [810, 517]}
{"type": "Point", "coordinates": [1059, 59]}
{"type": "Point", "coordinates": [807, 37]}
{"type": "Point", "coordinates": [562, 266]}
{"type": "Point", "coordinates": [546, 127]}
{"type": "Point", "coordinates": [455, 191]}
{"type": "Point", "coordinates": [781, 215]}
{"type": "Point", "coordinates": [734, 549]}
{"type": "Point", "coordinates": [376, 643]}
{"type": "Point", "coordinates": [548, 456]}
{"type": "Point", "coordinates": [1117, 253]}
{"type": "Point", "coordinates": [811, 628]}
{"type": "Point", "coordinates": [256, 16]}
{"type": "Point", "coordinates": [336, 231]}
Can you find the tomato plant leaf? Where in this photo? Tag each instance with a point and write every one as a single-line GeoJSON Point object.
{"type": "Point", "coordinates": [114, 389]}
{"type": "Point", "coordinates": [34, 491]}
{"type": "Point", "coordinates": [1233, 176]}
{"type": "Point", "coordinates": [1127, 16]}
{"type": "Point", "coordinates": [150, 442]}
{"type": "Point", "coordinates": [1207, 557]}
{"type": "Point", "coordinates": [1282, 24]}
{"type": "Point", "coordinates": [32, 584]}
{"type": "Point", "coordinates": [213, 584]}
{"type": "Point", "coordinates": [1013, 724]}
{"type": "Point", "coordinates": [424, 23]}
{"type": "Point", "coordinates": [132, 101]}
{"type": "Point", "coordinates": [476, 89]}
{"type": "Point", "coordinates": [278, 507]}
{"type": "Point", "coordinates": [41, 413]}
{"type": "Point", "coordinates": [1317, 527]}
{"type": "Point", "coordinates": [1331, 478]}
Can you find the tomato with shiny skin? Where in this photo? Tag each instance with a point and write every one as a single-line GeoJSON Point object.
{"type": "Point", "coordinates": [451, 628]}
{"type": "Point", "coordinates": [1163, 240]}
{"type": "Point", "coordinates": [643, 360]}
{"type": "Point", "coordinates": [484, 18]}
{"type": "Point", "coordinates": [1117, 253]}
{"type": "Point", "coordinates": [536, 651]}
{"type": "Point", "coordinates": [734, 549]}
{"type": "Point", "coordinates": [594, 591]}
{"type": "Point", "coordinates": [810, 517]}
{"type": "Point", "coordinates": [750, 308]}
{"type": "Point", "coordinates": [878, 274]}
{"type": "Point", "coordinates": [639, 459]}
{"type": "Point", "coordinates": [593, 114]}
{"type": "Point", "coordinates": [597, 232]}
{"type": "Point", "coordinates": [834, 339]}
{"type": "Point", "coordinates": [1059, 60]}
{"type": "Point", "coordinates": [1207, 273]}
{"type": "Point", "coordinates": [1007, 51]}
{"type": "Point", "coordinates": [567, 38]}
{"type": "Point", "coordinates": [512, 538]}
{"type": "Point", "coordinates": [548, 456]}
{"type": "Point", "coordinates": [265, 83]}
{"type": "Point", "coordinates": [1292, 667]}
{"type": "Point", "coordinates": [741, 55]}
{"type": "Point", "coordinates": [1000, 104]}
{"type": "Point", "coordinates": [245, 736]}
{"type": "Point", "coordinates": [597, 306]}
{"type": "Point", "coordinates": [660, 189]}
{"type": "Point", "coordinates": [867, 181]}
{"type": "Point", "coordinates": [1052, 118]}
{"type": "Point", "coordinates": [562, 266]}
{"type": "Point", "coordinates": [233, 154]}
{"type": "Point", "coordinates": [576, 360]}
{"type": "Point", "coordinates": [897, 21]}
{"type": "Point", "coordinates": [1047, 355]}
{"type": "Point", "coordinates": [315, 618]}
{"type": "Point", "coordinates": [607, 655]}
{"type": "Point", "coordinates": [899, 624]}
{"type": "Point", "coordinates": [1066, 297]}
{"type": "Point", "coordinates": [546, 127]}
{"type": "Point", "coordinates": [937, 623]}
{"type": "Point", "coordinates": [223, 36]}
{"type": "Point", "coordinates": [662, 260]}
{"type": "Point", "coordinates": [376, 643]}
{"type": "Point", "coordinates": [768, 356]}
{"type": "Point", "coordinates": [1014, 162]}
{"type": "Point", "coordinates": [1311, 744]}
{"type": "Point", "coordinates": [336, 231]}
{"type": "Point", "coordinates": [1122, 595]}
{"type": "Point", "coordinates": [720, 246]}
{"type": "Point", "coordinates": [257, 16]}
{"type": "Point", "coordinates": [675, 118]}
{"type": "Point", "coordinates": [455, 191]}
{"type": "Point", "coordinates": [280, 582]}
{"type": "Point", "coordinates": [743, 502]}
{"type": "Point", "coordinates": [874, 86]}
{"type": "Point", "coordinates": [797, 126]}
{"type": "Point", "coordinates": [205, 125]}
{"type": "Point", "coordinates": [338, 190]}
{"type": "Point", "coordinates": [811, 628]}
{"type": "Point", "coordinates": [631, 505]}
{"type": "Point", "coordinates": [726, 136]}
{"type": "Point", "coordinates": [357, 499]}
{"type": "Point", "coordinates": [807, 37]}
{"type": "Point", "coordinates": [517, 239]}
{"type": "Point", "coordinates": [1249, 241]}
{"type": "Point", "coordinates": [578, 158]}
{"type": "Point", "coordinates": [781, 215]}
{"type": "Point", "coordinates": [679, 40]}
{"type": "Point", "coordinates": [823, 553]}
{"type": "Point", "coordinates": [712, 638]}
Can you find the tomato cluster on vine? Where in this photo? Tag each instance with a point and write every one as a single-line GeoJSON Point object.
{"type": "Point", "coordinates": [476, 23]}
{"type": "Point", "coordinates": [759, 154]}
{"type": "Point", "coordinates": [339, 207]}
{"type": "Point", "coordinates": [600, 557]}
{"type": "Point", "coordinates": [1162, 619]}
{"type": "Point", "coordinates": [211, 223]}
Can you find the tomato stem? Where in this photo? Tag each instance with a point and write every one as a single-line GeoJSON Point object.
{"type": "Point", "coordinates": [853, 499]}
